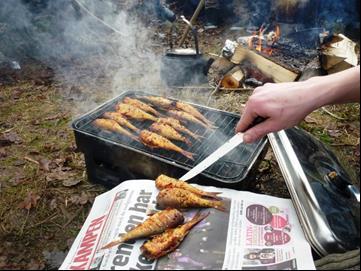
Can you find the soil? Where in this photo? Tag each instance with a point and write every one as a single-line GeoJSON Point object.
{"type": "Point", "coordinates": [44, 192]}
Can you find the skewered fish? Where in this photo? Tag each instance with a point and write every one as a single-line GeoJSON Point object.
{"type": "Point", "coordinates": [121, 120]}
{"type": "Point", "coordinates": [133, 112]}
{"type": "Point", "coordinates": [181, 115]}
{"type": "Point", "coordinates": [193, 111]}
{"type": "Point", "coordinates": [156, 141]}
{"type": "Point", "coordinates": [167, 242]}
{"type": "Point", "coordinates": [154, 225]}
{"type": "Point", "coordinates": [183, 199]}
{"type": "Point", "coordinates": [141, 106]}
{"type": "Point", "coordinates": [179, 127]}
{"type": "Point", "coordinates": [159, 101]}
{"type": "Point", "coordinates": [168, 132]}
{"type": "Point", "coordinates": [113, 126]}
{"type": "Point", "coordinates": [165, 182]}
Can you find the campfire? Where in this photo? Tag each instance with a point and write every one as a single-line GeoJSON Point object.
{"type": "Point", "coordinates": [264, 42]}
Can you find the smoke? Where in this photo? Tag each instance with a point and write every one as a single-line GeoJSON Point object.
{"type": "Point", "coordinates": [91, 45]}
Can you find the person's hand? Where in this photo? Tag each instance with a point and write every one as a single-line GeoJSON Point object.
{"type": "Point", "coordinates": [281, 105]}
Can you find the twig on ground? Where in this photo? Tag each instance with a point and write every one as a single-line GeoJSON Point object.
{"type": "Point", "coordinates": [215, 91]}
{"type": "Point", "coordinates": [332, 114]}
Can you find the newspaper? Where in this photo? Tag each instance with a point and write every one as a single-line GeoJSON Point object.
{"type": "Point", "coordinates": [255, 232]}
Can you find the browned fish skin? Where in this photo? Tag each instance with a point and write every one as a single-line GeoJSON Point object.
{"type": "Point", "coordinates": [159, 101]}
{"type": "Point", "coordinates": [165, 182]}
{"type": "Point", "coordinates": [167, 242]}
{"type": "Point", "coordinates": [168, 132]}
{"type": "Point", "coordinates": [141, 106]}
{"type": "Point", "coordinates": [134, 112]}
{"type": "Point", "coordinates": [156, 141]}
{"type": "Point", "coordinates": [113, 126]}
{"type": "Point", "coordinates": [156, 224]}
{"type": "Point", "coordinates": [178, 126]}
{"type": "Point", "coordinates": [183, 199]}
{"type": "Point", "coordinates": [186, 116]}
{"type": "Point", "coordinates": [193, 111]}
{"type": "Point", "coordinates": [121, 120]}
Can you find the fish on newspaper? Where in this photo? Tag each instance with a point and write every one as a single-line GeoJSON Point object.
{"type": "Point", "coordinates": [162, 244]}
{"type": "Point", "coordinates": [183, 199]}
{"type": "Point", "coordinates": [156, 224]}
{"type": "Point", "coordinates": [164, 182]}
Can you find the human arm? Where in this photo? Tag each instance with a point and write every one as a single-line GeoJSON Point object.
{"type": "Point", "coordinates": [287, 104]}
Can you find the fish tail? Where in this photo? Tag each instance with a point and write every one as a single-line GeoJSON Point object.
{"type": "Point", "coordinates": [189, 155]}
{"type": "Point", "coordinates": [114, 243]}
{"type": "Point", "coordinates": [188, 142]}
{"type": "Point", "coordinates": [198, 218]}
{"type": "Point", "coordinates": [219, 205]}
{"type": "Point", "coordinates": [212, 195]}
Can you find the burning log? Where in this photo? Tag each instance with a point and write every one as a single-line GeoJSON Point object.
{"type": "Point", "coordinates": [219, 69]}
{"type": "Point", "coordinates": [268, 67]}
{"type": "Point", "coordinates": [233, 79]}
{"type": "Point", "coordinates": [339, 54]}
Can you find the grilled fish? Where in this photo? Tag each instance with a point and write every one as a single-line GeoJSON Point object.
{"type": "Point", "coordinates": [167, 242]}
{"type": "Point", "coordinates": [113, 126]}
{"type": "Point", "coordinates": [133, 112]}
{"type": "Point", "coordinates": [168, 132]}
{"type": "Point", "coordinates": [156, 141]}
{"type": "Point", "coordinates": [156, 224]}
{"type": "Point", "coordinates": [181, 115]}
{"type": "Point", "coordinates": [141, 106]}
{"type": "Point", "coordinates": [179, 127]}
{"type": "Point", "coordinates": [164, 182]}
{"type": "Point", "coordinates": [121, 120]}
{"type": "Point", "coordinates": [194, 112]}
{"type": "Point", "coordinates": [183, 199]}
{"type": "Point", "coordinates": [159, 101]}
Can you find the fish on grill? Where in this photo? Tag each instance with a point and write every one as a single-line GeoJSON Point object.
{"type": "Point", "coordinates": [168, 132]}
{"type": "Point", "coordinates": [179, 127]}
{"type": "Point", "coordinates": [121, 120]}
{"type": "Point", "coordinates": [133, 112]}
{"type": "Point", "coordinates": [162, 244]}
{"type": "Point", "coordinates": [113, 126]}
{"type": "Point", "coordinates": [194, 112]}
{"type": "Point", "coordinates": [165, 182]}
{"type": "Point", "coordinates": [159, 101]}
{"type": "Point", "coordinates": [156, 224]}
{"type": "Point", "coordinates": [154, 140]}
{"type": "Point", "coordinates": [183, 199]}
{"type": "Point", "coordinates": [141, 106]}
{"type": "Point", "coordinates": [181, 115]}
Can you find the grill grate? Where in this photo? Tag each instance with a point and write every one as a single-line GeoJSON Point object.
{"type": "Point", "coordinates": [232, 166]}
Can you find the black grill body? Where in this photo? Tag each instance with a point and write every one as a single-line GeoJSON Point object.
{"type": "Point", "coordinates": [111, 158]}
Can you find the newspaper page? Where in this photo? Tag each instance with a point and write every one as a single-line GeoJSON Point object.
{"type": "Point", "coordinates": [255, 232]}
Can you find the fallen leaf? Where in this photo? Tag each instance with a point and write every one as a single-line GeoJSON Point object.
{"type": "Point", "coordinates": [19, 179]}
{"type": "Point", "coordinates": [30, 201]}
{"type": "Point", "coordinates": [10, 138]}
{"type": "Point", "coordinates": [71, 182]}
{"type": "Point", "coordinates": [80, 200]}
{"type": "Point", "coordinates": [44, 164]}
{"type": "Point", "coordinates": [310, 120]}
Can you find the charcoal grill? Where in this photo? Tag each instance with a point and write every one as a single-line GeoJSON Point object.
{"type": "Point", "coordinates": [111, 158]}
